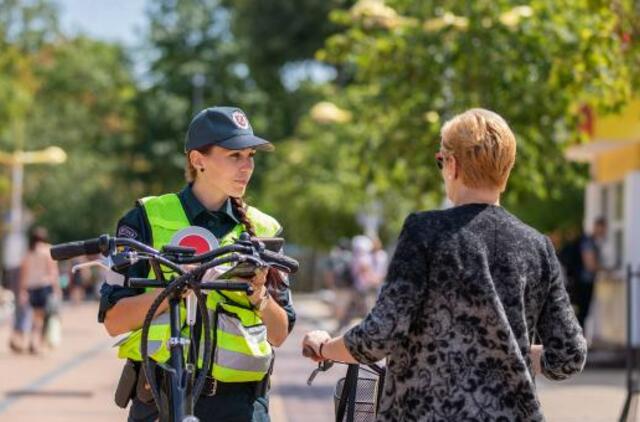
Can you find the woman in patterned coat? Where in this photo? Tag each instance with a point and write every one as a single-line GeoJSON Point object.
{"type": "Point", "coordinates": [468, 290]}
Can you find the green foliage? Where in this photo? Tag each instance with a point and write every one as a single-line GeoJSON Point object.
{"type": "Point", "coordinates": [76, 94]}
{"type": "Point", "coordinates": [277, 38]}
{"type": "Point", "coordinates": [239, 50]}
{"type": "Point", "coordinates": [417, 64]}
{"type": "Point", "coordinates": [27, 25]}
{"type": "Point", "coordinates": [402, 68]}
{"type": "Point", "coordinates": [189, 40]}
{"type": "Point", "coordinates": [84, 105]}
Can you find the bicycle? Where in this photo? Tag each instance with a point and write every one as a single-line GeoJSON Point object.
{"type": "Point", "coordinates": [183, 389]}
{"type": "Point", "coordinates": [356, 398]}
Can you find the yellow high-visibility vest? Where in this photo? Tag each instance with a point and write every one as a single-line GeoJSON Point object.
{"type": "Point", "coordinates": [242, 353]}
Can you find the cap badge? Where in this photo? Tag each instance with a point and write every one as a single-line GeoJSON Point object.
{"type": "Point", "coordinates": [240, 120]}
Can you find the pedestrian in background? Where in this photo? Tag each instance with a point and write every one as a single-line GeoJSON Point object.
{"type": "Point", "coordinates": [337, 277]}
{"type": "Point", "coordinates": [38, 282]}
{"type": "Point", "coordinates": [380, 260]}
{"type": "Point", "coordinates": [468, 289]}
{"type": "Point", "coordinates": [591, 265]}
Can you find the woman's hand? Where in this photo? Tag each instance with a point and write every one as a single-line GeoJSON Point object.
{"type": "Point", "coordinates": [312, 342]}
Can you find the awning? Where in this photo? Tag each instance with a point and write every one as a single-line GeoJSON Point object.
{"type": "Point", "coordinates": [589, 152]}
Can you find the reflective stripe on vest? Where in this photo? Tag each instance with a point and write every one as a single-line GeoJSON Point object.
{"type": "Point", "coordinates": [242, 351]}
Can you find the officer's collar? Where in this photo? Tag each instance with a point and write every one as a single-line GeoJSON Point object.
{"type": "Point", "coordinates": [194, 207]}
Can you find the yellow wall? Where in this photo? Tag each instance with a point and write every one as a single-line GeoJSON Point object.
{"type": "Point", "coordinates": [613, 165]}
{"type": "Point", "coordinates": [619, 127]}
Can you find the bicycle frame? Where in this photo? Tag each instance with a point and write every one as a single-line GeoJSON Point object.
{"type": "Point", "coordinates": [183, 392]}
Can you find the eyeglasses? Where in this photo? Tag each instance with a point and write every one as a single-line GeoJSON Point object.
{"type": "Point", "coordinates": [439, 160]}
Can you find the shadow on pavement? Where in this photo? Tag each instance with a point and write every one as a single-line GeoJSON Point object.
{"type": "Point", "coordinates": [70, 394]}
{"type": "Point", "coordinates": [294, 390]}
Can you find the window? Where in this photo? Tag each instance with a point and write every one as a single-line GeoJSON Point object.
{"type": "Point", "coordinates": [612, 209]}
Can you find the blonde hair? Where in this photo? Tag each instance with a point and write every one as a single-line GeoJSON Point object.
{"type": "Point", "coordinates": [483, 145]}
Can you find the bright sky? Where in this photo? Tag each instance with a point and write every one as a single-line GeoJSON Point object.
{"type": "Point", "coordinates": [123, 21]}
{"type": "Point", "coordinates": [112, 20]}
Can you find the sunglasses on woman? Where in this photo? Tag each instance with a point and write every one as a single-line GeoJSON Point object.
{"type": "Point", "coordinates": [439, 160]}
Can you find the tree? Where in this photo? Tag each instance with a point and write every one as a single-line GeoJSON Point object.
{"type": "Point", "coordinates": [73, 93]}
{"type": "Point", "coordinates": [235, 53]}
{"type": "Point", "coordinates": [84, 104]}
{"type": "Point", "coordinates": [416, 64]}
{"type": "Point", "coordinates": [277, 41]}
{"type": "Point", "coordinates": [195, 64]}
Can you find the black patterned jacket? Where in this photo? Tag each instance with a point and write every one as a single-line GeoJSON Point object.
{"type": "Point", "coordinates": [468, 289]}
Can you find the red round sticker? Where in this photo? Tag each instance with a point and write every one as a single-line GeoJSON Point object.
{"type": "Point", "coordinates": [201, 239]}
{"type": "Point", "coordinates": [199, 243]}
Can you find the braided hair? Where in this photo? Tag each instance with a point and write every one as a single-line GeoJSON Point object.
{"type": "Point", "coordinates": [275, 279]}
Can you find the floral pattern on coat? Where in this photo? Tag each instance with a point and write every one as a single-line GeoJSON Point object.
{"type": "Point", "coordinates": [467, 290]}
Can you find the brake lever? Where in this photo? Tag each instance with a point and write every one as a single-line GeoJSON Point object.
{"type": "Point", "coordinates": [112, 277]}
{"type": "Point", "coordinates": [322, 367]}
{"type": "Point", "coordinates": [94, 263]}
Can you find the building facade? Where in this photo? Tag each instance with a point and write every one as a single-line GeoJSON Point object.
{"type": "Point", "coordinates": [613, 193]}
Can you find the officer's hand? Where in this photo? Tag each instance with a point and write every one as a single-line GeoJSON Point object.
{"type": "Point", "coordinates": [257, 283]}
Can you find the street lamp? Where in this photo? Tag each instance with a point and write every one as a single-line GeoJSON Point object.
{"type": "Point", "coordinates": [326, 112]}
{"type": "Point", "coordinates": [14, 244]}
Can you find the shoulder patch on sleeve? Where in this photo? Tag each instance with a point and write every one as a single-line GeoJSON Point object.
{"type": "Point", "coordinates": [126, 231]}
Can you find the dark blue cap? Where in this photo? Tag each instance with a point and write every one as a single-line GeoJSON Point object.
{"type": "Point", "coordinates": [226, 127]}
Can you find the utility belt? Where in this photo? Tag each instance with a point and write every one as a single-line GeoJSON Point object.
{"type": "Point", "coordinates": [213, 387]}
{"type": "Point", "coordinates": [133, 384]}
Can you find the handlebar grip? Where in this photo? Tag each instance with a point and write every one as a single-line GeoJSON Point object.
{"type": "Point", "coordinates": [73, 249]}
{"type": "Point", "coordinates": [290, 265]}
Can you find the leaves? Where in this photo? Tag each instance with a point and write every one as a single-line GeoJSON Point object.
{"type": "Point", "coordinates": [534, 64]}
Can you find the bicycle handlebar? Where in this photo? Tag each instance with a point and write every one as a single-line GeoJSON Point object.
{"type": "Point", "coordinates": [175, 258]}
{"type": "Point", "coordinates": [79, 248]}
{"type": "Point", "coordinates": [281, 261]}
{"type": "Point", "coordinates": [106, 244]}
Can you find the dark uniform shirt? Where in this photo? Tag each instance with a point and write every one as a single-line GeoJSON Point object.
{"type": "Point", "coordinates": [135, 225]}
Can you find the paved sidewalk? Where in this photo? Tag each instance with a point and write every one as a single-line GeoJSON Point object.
{"type": "Point", "coordinates": [76, 382]}
{"type": "Point", "coordinates": [593, 396]}
{"type": "Point", "coordinates": [72, 383]}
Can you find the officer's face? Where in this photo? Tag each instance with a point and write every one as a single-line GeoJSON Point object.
{"type": "Point", "coordinates": [228, 171]}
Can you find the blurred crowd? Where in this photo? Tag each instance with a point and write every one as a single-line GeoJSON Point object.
{"type": "Point", "coordinates": [353, 274]}
{"type": "Point", "coordinates": [33, 293]}
{"type": "Point", "coordinates": [356, 268]}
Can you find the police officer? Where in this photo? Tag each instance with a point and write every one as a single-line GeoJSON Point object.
{"type": "Point", "coordinates": [220, 146]}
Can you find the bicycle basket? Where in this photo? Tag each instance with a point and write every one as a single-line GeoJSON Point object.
{"type": "Point", "coordinates": [365, 402]}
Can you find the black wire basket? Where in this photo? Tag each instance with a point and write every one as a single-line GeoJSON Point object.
{"type": "Point", "coordinates": [366, 398]}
